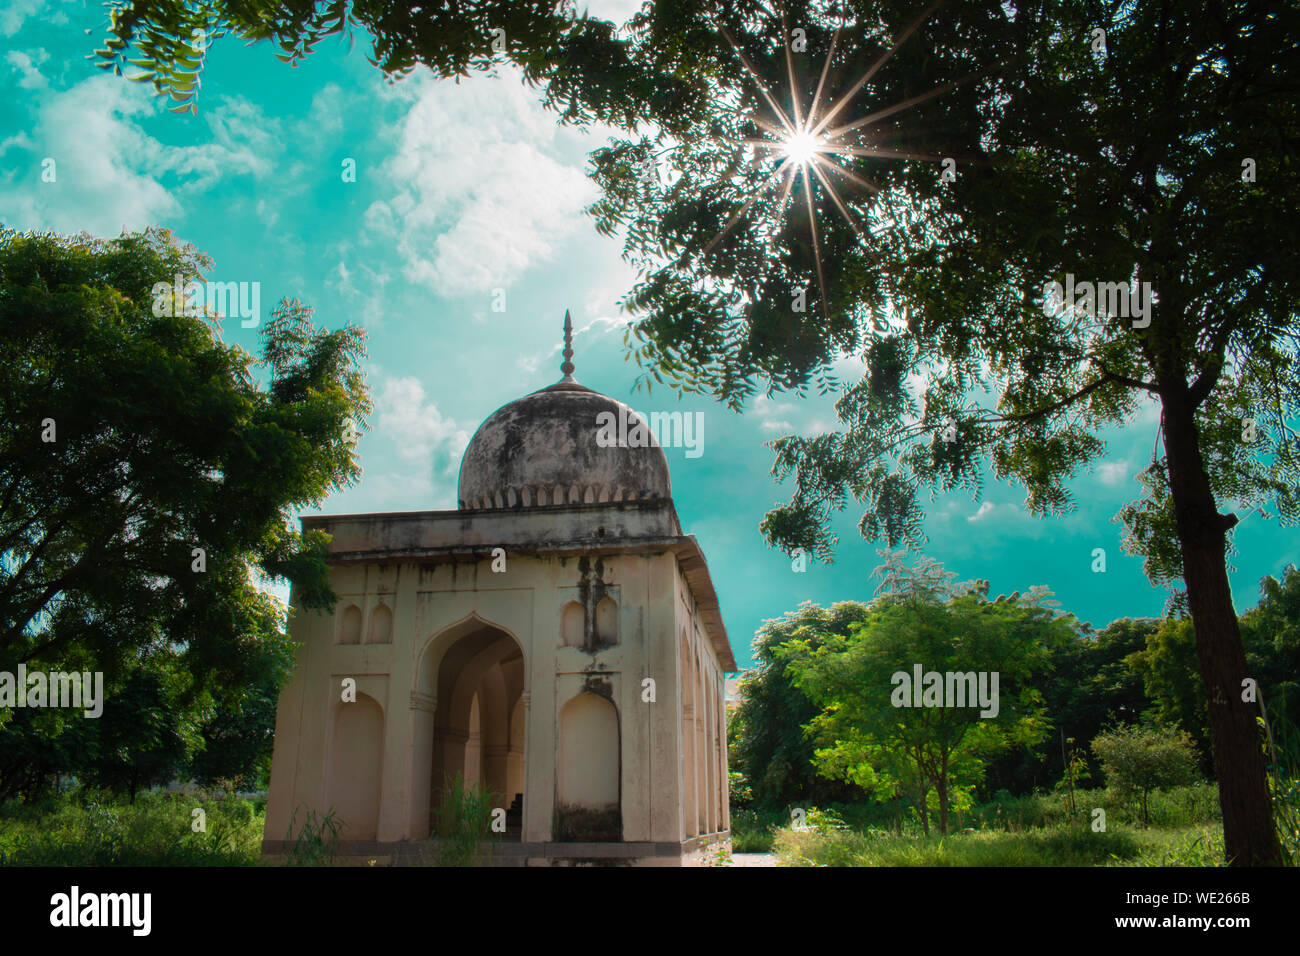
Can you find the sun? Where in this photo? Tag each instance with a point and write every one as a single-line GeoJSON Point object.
{"type": "Point", "coordinates": [809, 144]}
{"type": "Point", "coordinates": [802, 147]}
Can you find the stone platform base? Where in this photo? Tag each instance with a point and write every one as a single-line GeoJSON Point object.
{"type": "Point", "coordinates": [697, 851]}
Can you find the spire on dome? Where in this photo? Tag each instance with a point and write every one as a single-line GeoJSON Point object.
{"type": "Point", "coordinates": [567, 367]}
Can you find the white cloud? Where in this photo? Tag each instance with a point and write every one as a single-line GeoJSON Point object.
{"type": "Point", "coordinates": [324, 120]}
{"type": "Point", "coordinates": [782, 428]}
{"type": "Point", "coordinates": [419, 432]}
{"type": "Point", "coordinates": [1113, 473]}
{"type": "Point", "coordinates": [616, 11]}
{"type": "Point", "coordinates": [110, 172]}
{"type": "Point", "coordinates": [16, 11]}
{"type": "Point", "coordinates": [90, 134]}
{"type": "Point", "coordinates": [984, 509]}
{"type": "Point", "coordinates": [358, 285]}
{"type": "Point", "coordinates": [765, 407]}
{"type": "Point", "coordinates": [480, 200]}
{"type": "Point", "coordinates": [25, 63]}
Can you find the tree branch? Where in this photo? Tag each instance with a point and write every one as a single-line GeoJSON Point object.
{"type": "Point", "coordinates": [1107, 378]}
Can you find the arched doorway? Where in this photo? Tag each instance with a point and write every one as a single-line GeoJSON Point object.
{"type": "Point", "coordinates": [473, 677]}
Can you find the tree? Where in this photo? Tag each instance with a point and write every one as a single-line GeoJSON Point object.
{"type": "Point", "coordinates": [584, 69]}
{"type": "Point", "coordinates": [1138, 759]}
{"type": "Point", "coordinates": [1093, 682]}
{"type": "Point", "coordinates": [1271, 638]}
{"type": "Point", "coordinates": [880, 731]}
{"type": "Point", "coordinates": [1271, 632]}
{"type": "Point", "coordinates": [767, 741]}
{"type": "Point", "coordinates": [1145, 148]}
{"type": "Point", "coordinates": [236, 726]}
{"type": "Point", "coordinates": [1172, 680]}
{"type": "Point", "coordinates": [147, 480]}
{"type": "Point", "coordinates": [143, 739]}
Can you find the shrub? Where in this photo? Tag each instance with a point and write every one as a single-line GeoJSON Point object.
{"type": "Point", "coordinates": [1139, 759]}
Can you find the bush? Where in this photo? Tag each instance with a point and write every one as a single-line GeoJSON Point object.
{"type": "Point", "coordinates": [1139, 759]}
{"type": "Point", "coordinates": [463, 820]}
{"type": "Point", "coordinates": [93, 828]}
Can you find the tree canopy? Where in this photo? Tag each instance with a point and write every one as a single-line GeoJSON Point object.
{"type": "Point", "coordinates": [968, 165]}
{"type": "Point", "coordinates": [876, 726]}
{"type": "Point", "coordinates": [148, 482]}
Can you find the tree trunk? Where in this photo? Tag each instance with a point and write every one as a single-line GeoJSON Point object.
{"type": "Point", "coordinates": [1248, 835]}
{"type": "Point", "coordinates": [941, 791]}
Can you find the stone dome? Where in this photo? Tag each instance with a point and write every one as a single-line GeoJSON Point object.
{"type": "Point", "coordinates": [542, 449]}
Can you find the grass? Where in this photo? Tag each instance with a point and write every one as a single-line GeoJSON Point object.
{"type": "Point", "coordinates": [89, 828]}
{"type": "Point", "coordinates": [1058, 846]}
{"type": "Point", "coordinates": [1036, 830]}
{"type": "Point", "coordinates": [316, 841]}
{"type": "Point", "coordinates": [464, 817]}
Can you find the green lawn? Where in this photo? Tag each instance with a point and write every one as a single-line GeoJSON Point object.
{"type": "Point", "coordinates": [1184, 830]}
{"type": "Point", "coordinates": [87, 828]}
{"type": "Point", "coordinates": [1055, 846]}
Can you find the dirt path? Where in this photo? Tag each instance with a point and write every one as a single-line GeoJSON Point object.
{"type": "Point", "coordinates": [753, 859]}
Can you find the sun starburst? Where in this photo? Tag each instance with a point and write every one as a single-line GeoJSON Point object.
{"type": "Point", "coordinates": [810, 145]}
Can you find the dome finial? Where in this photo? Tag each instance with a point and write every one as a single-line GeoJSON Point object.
{"type": "Point", "coordinates": [567, 367]}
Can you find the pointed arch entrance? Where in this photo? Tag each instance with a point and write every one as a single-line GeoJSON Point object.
{"type": "Point", "coordinates": [472, 723]}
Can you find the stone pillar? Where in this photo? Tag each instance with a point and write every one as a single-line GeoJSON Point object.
{"type": "Point", "coordinates": [711, 753]}
{"type": "Point", "coordinates": [691, 821]}
{"type": "Point", "coordinates": [724, 797]}
{"type": "Point", "coordinates": [422, 710]}
{"type": "Point", "coordinates": [450, 743]}
{"type": "Point", "coordinates": [701, 765]}
{"type": "Point", "coordinates": [495, 757]}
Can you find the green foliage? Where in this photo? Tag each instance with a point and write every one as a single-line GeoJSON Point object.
{"type": "Point", "coordinates": [766, 741]}
{"type": "Point", "coordinates": [752, 829]}
{"type": "Point", "coordinates": [1138, 759]}
{"type": "Point", "coordinates": [888, 749]}
{"type": "Point", "coordinates": [464, 816]}
{"type": "Point", "coordinates": [1174, 808]}
{"type": "Point", "coordinates": [91, 828]}
{"type": "Point", "coordinates": [1062, 847]}
{"type": "Point", "coordinates": [164, 443]}
{"type": "Point", "coordinates": [586, 71]}
{"type": "Point", "coordinates": [1282, 755]}
{"type": "Point", "coordinates": [1172, 678]}
{"type": "Point", "coordinates": [1271, 634]}
{"type": "Point", "coordinates": [1092, 683]}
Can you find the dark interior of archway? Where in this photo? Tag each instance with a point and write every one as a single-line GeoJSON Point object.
{"type": "Point", "coordinates": [485, 666]}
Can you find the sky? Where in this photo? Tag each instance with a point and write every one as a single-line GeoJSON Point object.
{"type": "Point", "coordinates": [466, 196]}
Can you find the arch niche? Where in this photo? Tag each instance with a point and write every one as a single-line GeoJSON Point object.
{"type": "Point", "coordinates": [356, 766]}
{"type": "Point", "coordinates": [588, 799]}
{"type": "Point", "coordinates": [469, 720]}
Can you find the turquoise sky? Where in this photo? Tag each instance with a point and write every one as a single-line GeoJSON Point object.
{"type": "Point", "coordinates": [461, 190]}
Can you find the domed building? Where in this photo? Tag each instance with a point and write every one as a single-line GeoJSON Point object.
{"type": "Point", "coordinates": [556, 639]}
